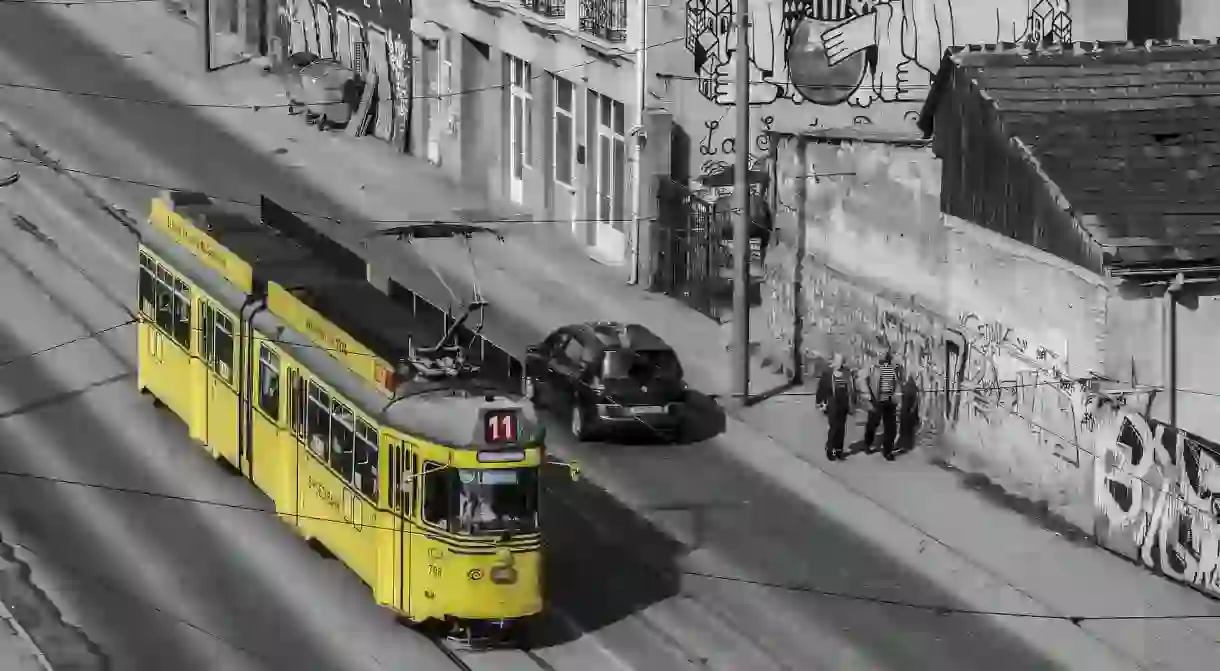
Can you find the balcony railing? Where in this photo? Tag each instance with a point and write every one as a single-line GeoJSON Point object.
{"type": "Point", "coordinates": [606, 19]}
{"type": "Point", "coordinates": [554, 9]}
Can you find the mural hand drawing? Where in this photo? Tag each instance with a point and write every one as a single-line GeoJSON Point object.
{"type": "Point", "coordinates": [830, 52]}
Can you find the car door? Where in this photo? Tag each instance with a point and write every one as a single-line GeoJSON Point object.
{"type": "Point", "coordinates": [541, 364]}
{"type": "Point", "coordinates": [568, 374]}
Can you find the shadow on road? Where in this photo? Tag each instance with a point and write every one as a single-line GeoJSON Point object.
{"type": "Point", "coordinates": [604, 561]}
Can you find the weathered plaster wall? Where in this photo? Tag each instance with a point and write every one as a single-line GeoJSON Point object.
{"type": "Point", "coordinates": [991, 329]}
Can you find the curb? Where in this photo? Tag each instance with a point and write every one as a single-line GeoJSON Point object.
{"type": "Point", "coordinates": [24, 635]}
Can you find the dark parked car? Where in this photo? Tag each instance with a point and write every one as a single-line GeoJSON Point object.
{"type": "Point", "coordinates": [608, 378]}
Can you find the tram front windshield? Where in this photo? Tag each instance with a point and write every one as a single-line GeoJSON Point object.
{"type": "Point", "coordinates": [497, 501]}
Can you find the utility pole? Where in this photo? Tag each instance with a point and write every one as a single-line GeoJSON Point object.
{"type": "Point", "coordinates": [741, 225]}
{"type": "Point", "coordinates": [206, 23]}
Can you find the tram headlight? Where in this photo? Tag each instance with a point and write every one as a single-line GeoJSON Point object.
{"type": "Point", "coordinates": [503, 575]}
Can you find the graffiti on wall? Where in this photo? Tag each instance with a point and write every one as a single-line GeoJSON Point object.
{"type": "Point", "coordinates": [828, 52]}
{"type": "Point", "coordinates": [1157, 495]}
{"type": "Point", "coordinates": [978, 377]}
{"type": "Point", "coordinates": [718, 146]}
{"type": "Point", "coordinates": [366, 47]}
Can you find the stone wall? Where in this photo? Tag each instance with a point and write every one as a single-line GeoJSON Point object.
{"type": "Point", "coordinates": [994, 332]}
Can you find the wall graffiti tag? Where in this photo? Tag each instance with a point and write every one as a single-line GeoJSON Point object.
{"type": "Point", "coordinates": [379, 52]}
{"type": "Point", "coordinates": [980, 378]}
{"type": "Point", "coordinates": [1157, 496]}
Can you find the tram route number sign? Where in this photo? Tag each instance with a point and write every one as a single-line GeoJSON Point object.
{"type": "Point", "coordinates": [501, 427]}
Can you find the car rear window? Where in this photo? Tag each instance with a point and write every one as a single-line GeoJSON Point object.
{"type": "Point", "coordinates": [641, 365]}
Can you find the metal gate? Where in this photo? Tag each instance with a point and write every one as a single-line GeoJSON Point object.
{"type": "Point", "coordinates": [691, 255]}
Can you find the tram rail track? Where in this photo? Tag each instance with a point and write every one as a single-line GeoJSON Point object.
{"type": "Point", "coordinates": [481, 659]}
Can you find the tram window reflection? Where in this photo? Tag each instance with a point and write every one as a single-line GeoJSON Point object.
{"type": "Point", "coordinates": [438, 494]}
{"type": "Point", "coordinates": [495, 501]}
{"type": "Point", "coordinates": [182, 313]}
{"type": "Point", "coordinates": [269, 382]}
{"type": "Point", "coordinates": [319, 420]}
{"type": "Point", "coordinates": [165, 300]}
{"type": "Point", "coordinates": [341, 440]}
{"type": "Point", "coordinates": [366, 459]}
{"type": "Point", "coordinates": [148, 286]}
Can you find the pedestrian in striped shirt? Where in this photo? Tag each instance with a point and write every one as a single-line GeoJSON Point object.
{"type": "Point", "coordinates": [883, 389]}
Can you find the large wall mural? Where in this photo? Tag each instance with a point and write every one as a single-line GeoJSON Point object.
{"type": "Point", "coordinates": [1157, 495]}
{"type": "Point", "coordinates": [829, 52]}
{"type": "Point", "coordinates": [375, 45]}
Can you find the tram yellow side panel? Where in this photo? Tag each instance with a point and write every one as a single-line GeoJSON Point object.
{"type": "Point", "coordinates": [164, 369]}
{"type": "Point", "coordinates": [269, 456]}
{"type": "Point", "coordinates": [200, 381]}
{"type": "Point", "coordinates": [334, 515]}
{"type": "Point", "coordinates": [221, 408]}
{"type": "Point", "coordinates": [428, 569]}
{"type": "Point", "coordinates": [393, 569]}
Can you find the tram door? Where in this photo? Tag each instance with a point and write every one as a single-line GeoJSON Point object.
{"type": "Point", "coordinates": [219, 351]}
{"type": "Point", "coordinates": [401, 482]}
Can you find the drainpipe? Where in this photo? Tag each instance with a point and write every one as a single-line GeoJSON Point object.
{"type": "Point", "coordinates": [1171, 349]}
{"type": "Point", "coordinates": [637, 190]}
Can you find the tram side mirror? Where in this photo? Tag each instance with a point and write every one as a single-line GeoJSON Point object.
{"type": "Point", "coordinates": [574, 471]}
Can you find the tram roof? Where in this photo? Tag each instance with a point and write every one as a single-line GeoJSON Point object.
{"type": "Point", "coordinates": [447, 411]}
{"type": "Point", "coordinates": [343, 297]}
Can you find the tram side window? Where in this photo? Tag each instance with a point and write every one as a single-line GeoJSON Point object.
{"type": "Point", "coordinates": [182, 313]}
{"type": "Point", "coordinates": [366, 459]}
{"type": "Point", "coordinates": [318, 421]}
{"type": "Point", "coordinates": [165, 300]}
{"type": "Point", "coordinates": [296, 401]}
{"type": "Point", "coordinates": [207, 332]}
{"type": "Point", "coordinates": [148, 286]}
{"type": "Point", "coordinates": [222, 358]}
{"type": "Point", "coordinates": [342, 436]}
{"type": "Point", "coordinates": [438, 493]}
{"type": "Point", "coordinates": [269, 382]}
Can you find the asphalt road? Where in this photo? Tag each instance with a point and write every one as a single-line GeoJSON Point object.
{"type": "Point", "coordinates": [246, 580]}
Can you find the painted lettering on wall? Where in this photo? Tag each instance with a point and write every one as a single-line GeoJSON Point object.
{"type": "Point", "coordinates": [368, 47]}
{"type": "Point", "coordinates": [718, 145]}
{"type": "Point", "coordinates": [1157, 495]}
{"type": "Point", "coordinates": [830, 52]}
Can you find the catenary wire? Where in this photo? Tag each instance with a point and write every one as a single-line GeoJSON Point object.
{"type": "Point", "coordinates": [789, 587]}
{"type": "Point", "coordinates": [262, 339]}
{"type": "Point", "coordinates": [56, 165]}
{"type": "Point", "coordinates": [944, 610]}
{"type": "Point", "coordinates": [257, 107]}
{"type": "Point", "coordinates": [1070, 441]}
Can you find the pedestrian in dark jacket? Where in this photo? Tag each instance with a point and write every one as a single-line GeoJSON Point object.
{"type": "Point", "coordinates": [836, 396]}
{"type": "Point", "coordinates": [909, 415]}
{"type": "Point", "coordinates": [883, 390]}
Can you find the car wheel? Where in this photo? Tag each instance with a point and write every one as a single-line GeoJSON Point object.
{"type": "Point", "coordinates": [580, 428]}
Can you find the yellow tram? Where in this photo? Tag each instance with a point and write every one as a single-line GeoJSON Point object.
{"type": "Point", "coordinates": [305, 379]}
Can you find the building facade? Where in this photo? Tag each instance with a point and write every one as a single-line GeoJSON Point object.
{"type": "Point", "coordinates": [533, 102]}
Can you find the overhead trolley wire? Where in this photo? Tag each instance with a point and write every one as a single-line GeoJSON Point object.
{"type": "Point", "coordinates": [1069, 441]}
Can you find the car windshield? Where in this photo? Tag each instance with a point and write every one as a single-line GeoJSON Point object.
{"type": "Point", "coordinates": [499, 500]}
{"type": "Point", "coordinates": [641, 365]}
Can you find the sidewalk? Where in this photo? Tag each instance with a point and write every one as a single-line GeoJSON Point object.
{"type": "Point", "coordinates": [1055, 566]}
{"type": "Point", "coordinates": [17, 651]}
{"type": "Point", "coordinates": [539, 279]}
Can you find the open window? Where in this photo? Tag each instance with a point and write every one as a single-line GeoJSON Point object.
{"type": "Point", "coordinates": [439, 494]}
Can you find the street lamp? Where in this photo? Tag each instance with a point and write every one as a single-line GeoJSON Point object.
{"type": "Point", "coordinates": [10, 180]}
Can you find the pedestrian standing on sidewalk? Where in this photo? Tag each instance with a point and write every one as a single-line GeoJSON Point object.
{"type": "Point", "coordinates": [882, 387]}
{"type": "Point", "coordinates": [836, 396]}
{"type": "Point", "coordinates": [909, 414]}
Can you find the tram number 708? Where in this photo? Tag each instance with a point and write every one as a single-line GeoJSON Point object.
{"type": "Point", "coordinates": [434, 570]}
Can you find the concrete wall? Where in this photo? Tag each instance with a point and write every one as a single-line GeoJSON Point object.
{"type": "Point", "coordinates": [991, 329]}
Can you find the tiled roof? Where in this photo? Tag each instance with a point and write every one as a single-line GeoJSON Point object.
{"type": "Point", "coordinates": [1129, 133]}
